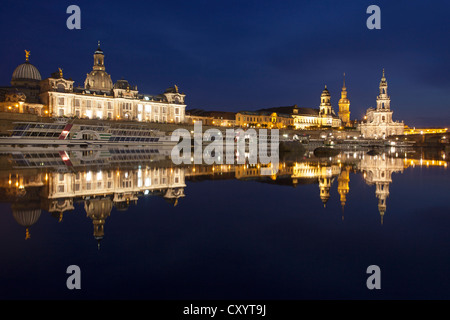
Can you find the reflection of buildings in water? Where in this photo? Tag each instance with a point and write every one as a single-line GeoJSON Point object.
{"type": "Point", "coordinates": [377, 170]}
{"type": "Point", "coordinates": [59, 206]}
{"type": "Point", "coordinates": [343, 186]}
{"type": "Point", "coordinates": [26, 214]}
{"type": "Point", "coordinates": [102, 188]}
{"type": "Point", "coordinates": [104, 156]}
{"type": "Point", "coordinates": [425, 162]}
{"type": "Point", "coordinates": [98, 210]}
{"type": "Point", "coordinates": [246, 171]}
{"type": "Point", "coordinates": [24, 194]}
{"type": "Point", "coordinates": [31, 191]}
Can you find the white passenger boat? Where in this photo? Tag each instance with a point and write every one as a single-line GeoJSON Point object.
{"type": "Point", "coordinates": [70, 133]}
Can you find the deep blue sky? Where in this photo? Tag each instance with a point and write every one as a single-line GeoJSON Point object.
{"type": "Point", "coordinates": [245, 55]}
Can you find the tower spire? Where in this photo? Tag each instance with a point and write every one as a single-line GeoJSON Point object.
{"type": "Point", "coordinates": [343, 87]}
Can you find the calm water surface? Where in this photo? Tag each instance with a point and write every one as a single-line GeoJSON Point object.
{"type": "Point", "coordinates": [140, 228]}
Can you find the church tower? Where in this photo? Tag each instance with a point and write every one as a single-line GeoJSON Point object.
{"type": "Point", "coordinates": [344, 106]}
{"type": "Point", "coordinates": [378, 122]}
{"type": "Point", "coordinates": [98, 79]}
{"type": "Point", "coordinates": [325, 102]}
{"type": "Point", "coordinates": [383, 100]}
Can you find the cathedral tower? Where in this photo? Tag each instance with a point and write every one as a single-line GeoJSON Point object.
{"type": "Point", "coordinates": [344, 106]}
{"type": "Point", "coordinates": [378, 122]}
{"type": "Point", "coordinates": [383, 100]}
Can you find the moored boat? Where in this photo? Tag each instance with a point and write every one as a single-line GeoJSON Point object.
{"type": "Point", "coordinates": [70, 133]}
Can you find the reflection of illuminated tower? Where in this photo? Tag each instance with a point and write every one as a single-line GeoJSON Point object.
{"type": "Point", "coordinates": [343, 186]}
{"type": "Point", "coordinates": [382, 193]}
{"type": "Point", "coordinates": [324, 187]}
{"type": "Point", "coordinates": [98, 210]}
{"type": "Point", "coordinates": [378, 171]}
{"type": "Point", "coordinates": [344, 106]}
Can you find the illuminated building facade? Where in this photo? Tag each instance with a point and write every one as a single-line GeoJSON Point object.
{"type": "Point", "coordinates": [378, 123]}
{"type": "Point", "coordinates": [23, 94]}
{"type": "Point", "coordinates": [211, 118]}
{"type": "Point", "coordinates": [301, 118]}
{"type": "Point", "coordinates": [415, 130]}
{"type": "Point", "coordinates": [263, 119]}
{"type": "Point", "coordinates": [99, 98]}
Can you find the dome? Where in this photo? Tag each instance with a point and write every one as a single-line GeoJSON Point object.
{"type": "Point", "coordinates": [98, 80]}
{"type": "Point", "coordinates": [26, 217]}
{"type": "Point", "coordinates": [325, 92]}
{"type": "Point", "coordinates": [26, 71]}
{"type": "Point", "coordinates": [98, 208]}
{"type": "Point", "coordinates": [122, 84]}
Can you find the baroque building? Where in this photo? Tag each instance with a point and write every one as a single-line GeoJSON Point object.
{"type": "Point", "coordinates": [23, 94]}
{"type": "Point", "coordinates": [303, 118]}
{"type": "Point", "coordinates": [99, 98]}
{"type": "Point", "coordinates": [378, 122]}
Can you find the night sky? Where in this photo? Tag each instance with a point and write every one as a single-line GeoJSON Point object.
{"type": "Point", "coordinates": [246, 55]}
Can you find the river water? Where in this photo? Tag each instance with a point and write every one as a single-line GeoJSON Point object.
{"type": "Point", "coordinates": [139, 227]}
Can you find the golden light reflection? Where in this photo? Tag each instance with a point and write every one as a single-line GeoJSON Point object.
{"type": "Point", "coordinates": [120, 188]}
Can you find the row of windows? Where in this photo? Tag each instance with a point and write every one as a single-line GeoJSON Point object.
{"type": "Point", "coordinates": [124, 105]}
{"type": "Point", "coordinates": [109, 184]}
{"type": "Point", "coordinates": [128, 151]}
{"type": "Point", "coordinates": [36, 155]}
{"type": "Point", "coordinates": [39, 126]}
{"type": "Point", "coordinates": [89, 103]}
{"type": "Point", "coordinates": [36, 134]}
{"type": "Point", "coordinates": [137, 133]}
{"type": "Point", "coordinates": [39, 163]}
{"type": "Point", "coordinates": [307, 120]}
{"type": "Point", "coordinates": [265, 119]}
{"type": "Point", "coordinates": [141, 139]}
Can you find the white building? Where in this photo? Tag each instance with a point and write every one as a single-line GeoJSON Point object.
{"type": "Point", "coordinates": [98, 99]}
{"type": "Point", "coordinates": [378, 123]}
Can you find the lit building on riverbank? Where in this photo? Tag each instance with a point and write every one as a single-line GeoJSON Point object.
{"type": "Point", "coordinates": [415, 130]}
{"type": "Point", "coordinates": [378, 122]}
{"type": "Point", "coordinates": [210, 118]}
{"type": "Point", "coordinates": [264, 119]}
{"type": "Point", "coordinates": [99, 98]}
{"type": "Point", "coordinates": [292, 117]}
